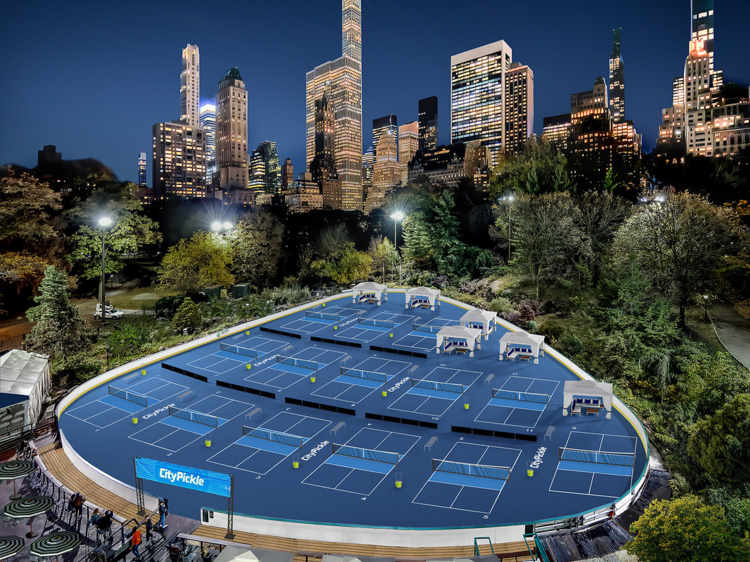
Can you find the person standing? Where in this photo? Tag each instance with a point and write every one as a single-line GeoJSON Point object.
{"type": "Point", "coordinates": [135, 541]}
{"type": "Point", "coordinates": [162, 515]}
{"type": "Point", "coordinates": [149, 527]}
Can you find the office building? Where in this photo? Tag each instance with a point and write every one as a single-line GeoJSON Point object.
{"type": "Point", "coordinates": [380, 125]}
{"type": "Point", "coordinates": [324, 162]}
{"type": "Point", "coordinates": [231, 131]}
{"type": "Point", "coordinates": [142, 168]}
{"type": "Point", "coordinates": [190, 86]}
{"type": "Point", "coordinates": [477, 96]}
{"type": "Point", "coordinates": [702, 27]}
{"type": "Point", "coordinates": [556, 129]}
{"type": "Point", "coordinates": [342, 78]}
{"type": "Point", "coordinates": [428, 123]}
{"type": "Point", "coordinates": [256, 173]}
{"type": "Point", "coordinates": [271, 167]}
{"type": "Point", "coordinates": [386, 174]}
{"type": "Point", "coordinates": [333, 193]}
{"type": "Point", "coordinates": [408, 144]}
{"type": "Point", "coordinates": [368, 165]}
{"type": "Point", "coordinates": [303, 195]}
{"type": "Point", "coordinates": [179, 164]}
{"type": "Point", "coordinates": [444, 165]}
{"type": "Point", "coordinates": [208, 124]}
{"type": "Point", "coordinates": [287, 174]}
{"type": "Point", "coordinates": [616, 81]}
{"type": "Point", "coordinates": [519, 107]}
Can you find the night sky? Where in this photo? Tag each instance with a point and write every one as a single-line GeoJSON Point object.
{"type": "Point", "coordinates": [92, 77]}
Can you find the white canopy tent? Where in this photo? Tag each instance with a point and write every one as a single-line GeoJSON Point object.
{"type": "Point", "coordinates": [521, 345]}
{"type": "Point", "coordinates": [370, 292]}
{"type": "Point", "coordinates": [588, 395]}
{"type": "Point", "coordinates": [24, 386]}
{"type": "Point", "coordinates": [244, 554]}
{"type": "Point", "coordinates": [422, 297]}
{"type": "Point", "coordinates": [481, 320]}
{"type": "Point", "coordinates": [459, 339]}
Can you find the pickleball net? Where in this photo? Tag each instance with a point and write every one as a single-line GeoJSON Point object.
{"type": "Point", "coordinates": [275, 436]}
{"type": "Point", "coordinates": [471, 469]}
{"type": "Point", "coordinates": [129, 395]}
{"type": "Point", "coordinates": [367, 454]}
{"type": "Point", "coordinates": [193, 416]}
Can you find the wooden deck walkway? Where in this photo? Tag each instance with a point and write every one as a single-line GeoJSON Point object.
{"type": "Point", "coordinates": [59, 465]}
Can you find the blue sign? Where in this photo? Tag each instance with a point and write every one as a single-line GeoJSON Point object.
{"type": "Point", "coordinates": [184, 476]}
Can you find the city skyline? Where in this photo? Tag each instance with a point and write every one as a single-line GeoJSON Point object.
{"type": "Point", "coordinates": [102, 86]}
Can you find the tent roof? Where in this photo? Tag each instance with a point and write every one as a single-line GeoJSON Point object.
{"type": "Point", "coordinates": [522, 337]}
{"type": "Point", "coordinates": [460, 331]}
{"type": "Point", "coordinates": [368, 286]}
{"type": "Point", "coordinates": [423, 291]}
{"type": "Point", "coordinates": [236, 553]}
{"type": "Point", "coordinates": [20, 370]}
{"type": "Point", "coordinates": [477, 314]}
{"type": "Point", "coordinates": [586, 385]}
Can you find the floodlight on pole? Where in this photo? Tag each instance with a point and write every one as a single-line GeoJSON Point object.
{"type": "Point", "coordinates": [216, 226]}
{"type": "Point", "coordinates": [227, 225]}
{"type": "Point", "coordinates": [104, 222]}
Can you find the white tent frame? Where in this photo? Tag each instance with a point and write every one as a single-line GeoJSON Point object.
{"type": "Point", "coordinates": [367, 288]}
{"type": "Point", "coordinates": [471, 336]}
{"type": "Point", "coordinates": [487, 319]}
{"type": "Point", "coordinates": [533, 341]}
{"type": "Point", "coordinates": [587, 390]}
{"type": "Point", "coordinates": [28, 375]}
{"type": "Point", "coordinates": [433, 296]}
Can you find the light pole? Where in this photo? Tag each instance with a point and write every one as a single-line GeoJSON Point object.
{"type": "Point", "coordinates": [509, 198]}
{"type": "Point", "coordinates": [218, 226]}
{"type": "Point", "coordinates": [104, 222]}
{"type": "Point", "coordinates": [705, 301]}
{"type": "Point", "coordinates": [397, 217]}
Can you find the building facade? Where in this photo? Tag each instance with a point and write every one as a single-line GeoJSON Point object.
{"type": "Point", "coordinates": [408, 144]}
{"type": "Point", "coordinates": [324, 161]}
{"type": "Point", "coordinates": [428, 123]}
{"type": "Point", "coordinates": [442, 165]}
{"type": "Point", "coordinates": [179, 164]}
{"type": "Point", "coordinates": [477, 96]}
{"type": "Point", "coordinates": [342, 78]}
{"type": "Point", "coordinates": [231, 131]}
{"type": "Point", "coordinates": [519, 107]}
{"type": "Point", "coordinates": [287, 174]}
{"type": "Point", "coordinates": [616, 81]}
{"type": "Point", "coordinates": [208, 124]}
{"type": "Point", "coordinates": [142, 168]}
{"type": "Point", "coordinates": [386, 174]}
{"type": "Point", "coordinates": [381, 125]}
{"type": "Point", "coordinates": [190, 86]}
{"type": "Point", "coordinates": [556, 129]}
{"type": "Point", "coordinates": [303, 195]}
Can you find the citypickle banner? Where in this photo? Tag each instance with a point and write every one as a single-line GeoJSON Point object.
{"type": "Point", "coordinates": [184, 476]}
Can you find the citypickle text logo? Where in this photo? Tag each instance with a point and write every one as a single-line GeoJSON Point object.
{"type": "Point", "coordinates": [182, 477]}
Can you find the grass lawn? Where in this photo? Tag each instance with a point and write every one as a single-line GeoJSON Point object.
{"type": "Point", "coordinates": [140, 297]}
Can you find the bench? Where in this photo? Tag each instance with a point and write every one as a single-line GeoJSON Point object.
{"type": "Point", "coordinates": [185, 396]}
{"type": "Point", "coordinates": [550, 431]}
{"type": "Point", "coordinates": [489, 378]}
{"type": "Point", "coordinates": [132, 377]}
{"type": "Point", "coordinates": [430, 443]}
{"type": "Point", "coordinates": [335, 429]}
{"type": "Point", "coordinates": [252, 412]}
{"type": "Point", "coordinates": [576, 411]}
{"type": "Point", "coordinates": [592, 411]}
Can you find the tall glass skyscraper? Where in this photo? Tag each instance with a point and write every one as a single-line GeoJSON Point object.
{"type": "Point", "coordinates": [428, 123]}
{"type": "Point", "coordinates": [142, 168]}
{"type": "Point", "coordinates": [616, 81]}
{"type": "Point", "coordinates": [380, 125]}
{"type": "Point", "coordinates": [190, 85]}
{"type": "Point", "coordinates": [702, 27]}
{"type": "Point", "coordinates": [477, 96]}
{"type": "Point", "coordinates": [231, 131]}
{"type": "Point", "coordinates": [342, 78]}
{"type": "Point", "coordinates": [208, 124]}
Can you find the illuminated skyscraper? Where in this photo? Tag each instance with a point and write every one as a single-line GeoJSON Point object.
{"type": "Point", "coordinates": [190, 85]}
{"type": "Point", "coordinates": [381, 125]}
{"type": "Point", "coordinates": [179, 165]}
{"type": "Point", "coordinates": [272, 169]}
{"type": "Point", "coordinates": [408, 144]}
{"type": "Point", "coordinates": [324, 162]}
{"type": "Point", "coordinates": [287, 174]}
{"type": "Point", "coordinates": [477, 96]}
{"type": "Point", "coordinates": [428, 123]}
{"type": "Point", "coordinates": [342, 79]}
{"type": "Point", "coordinates": [387, 173]}
{"type": "Point", "coordinates": [142, 168]}
{"type": "Point", "coordinates": [556, 130]}
{"type": "Point", "coordinates": [519, 106]}
{"type": "Point", "coordinates": [616, 81]}
{"type": "Point", "coordinates": [702, 27]}
{"type": "Point", "coordinates": [231, 131]}
{"type": "Point", "coordinates": [208, 124]}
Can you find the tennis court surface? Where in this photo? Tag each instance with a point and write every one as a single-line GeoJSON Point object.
{"type": "Point", "coordinates": [336, 406]}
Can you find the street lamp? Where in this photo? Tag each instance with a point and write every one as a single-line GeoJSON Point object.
{"type": "Point", "coordinates": [397, 217]}
{"type": "Point", "coordinates": [104, 222]}
{"type": "Point", "coordinates": [218, 226]}
{"type": "Point", "coordinates": [509, 198]}
{"type": "Point", "coordinates": [705, 301]}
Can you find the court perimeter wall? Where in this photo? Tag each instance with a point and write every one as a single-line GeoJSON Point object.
{"type": "Point", "coordinates": [384, 536]}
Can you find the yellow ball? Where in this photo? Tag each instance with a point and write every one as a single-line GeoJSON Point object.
{"type": "Point", "coordinates": [391, 335]}
{"type": "Point", "coordinates": [335, 327]}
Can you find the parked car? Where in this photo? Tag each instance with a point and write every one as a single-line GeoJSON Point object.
{"type": "Point", "coordinates": [110, 312]}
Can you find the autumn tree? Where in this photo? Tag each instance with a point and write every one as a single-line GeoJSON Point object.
{"type": "Point", "coordinates": [203, 260]}
{"type": "Point", "coordinates": [383, 255]}
{"type": "Point", "coordinates": [59, 329]}
{"type": "Point", "coordinates": [687, 530]}
{"type": "Point", "coordinates": [256, 244]}
{"type": "Point", "coordinates": [188, 315]}
{"type": "Point", "coordinates": [679, 243]}
{"type": "Point", "coordinates": [25, 209]}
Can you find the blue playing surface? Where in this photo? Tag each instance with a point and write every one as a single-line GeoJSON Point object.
{"type": "Point", "coordinates": [339, 489]}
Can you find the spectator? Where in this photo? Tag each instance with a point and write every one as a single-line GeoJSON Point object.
{"type": "Point", "coordinates": [78, 505]}
{"type": "Point", "coordinates": [162, 515]}
{"type": "Point", "coordinates": [135, 541]}
{"type": "Point", "coordinates": [94, 520]}
{"type": "Point", "coordinates": [149, 527]}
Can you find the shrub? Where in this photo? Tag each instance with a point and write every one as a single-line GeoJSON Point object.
{"type": "Point", "coordinates": [571, 345]}
{"type": "Point", "coordinates": [532, 326]}
{"type": "Point", "coordinates": [528, 309]}
{"type": "Point", "coordinates": [552, 330]}
{"type": "Point", "coordinates": [468, 287]}
{"type": "Point", "coordinates": [78, 369]}
{"type": "Point", "coordinates": [500, 304]}
{"type": "Point", "coordinates": [188, 315]}
{"type": "Point", "coordinates": [441, 281]}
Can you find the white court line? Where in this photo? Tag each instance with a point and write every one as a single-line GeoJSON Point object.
{"type": "Point", "coordinates": [427, 398]}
